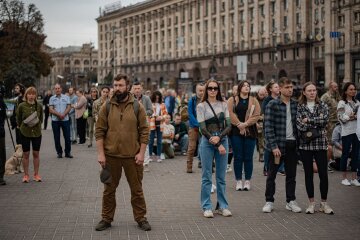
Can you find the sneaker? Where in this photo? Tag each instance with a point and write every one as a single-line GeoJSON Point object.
{"type": "Point", "coordinates": [247, 185]}
{"type": "Point", "coordinates": [102, 225]}
{"type": "Point", "coordinates": [293, 206]}
{"type": "Point", "coordinates": [330, 170]}
{"type": "Point", "coordinates": [144, 225]}
{"type": "Point", "coordinates": [265, 173]}
{"type": "Point", "coordinates": [162, 156]}
{"type": "Point", "coordinates": [239, 185]}
{"type": "Point", "coordinates": [37, 178]}
{"type": "Point", "coordinates": [325, 208]}
{"type": "Point", "coordinates": [208, 213]}
{"type": "Point", "coordinates": [26, 179]}
{"type": "Point", "coordinates": [345, 182]}
{"type": "Point", "coordinates": [184, 153]}
{"type": "Point", "coordinates": [355, 183]}
{"type": "Point", "coordinates": [146, 168]}
{"type": "Point", "coordinates": [311, 208]}
{"type": "Point", "coordinates": [228, 168]}
{"type": "Point", "coordinates": [268, 207]}
{"type": "Point", "coordinates": [199, 164]}
{"type": "Point", "coordinates": [224, 211]}
{"type": "Point", "coordinates": [282, 173]}
{"type": "Point", "coordinates": [213, 188]}
{"type": "Point", "coordinates": [159, 160]}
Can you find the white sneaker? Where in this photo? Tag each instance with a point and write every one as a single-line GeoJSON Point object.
{"type": "Point", "coordinates": [268, 207]}
{"type": "Point", "coordinates": [293, 206]}
{"type": "Point", "coordinates": [162, 156]}
{"type": "Point", "coordinates": [311, 208]}
{"type": "Point", "coordinates": [146, 168]}
{"type": "Point", "coordinates": [239, 185]}
{"type": "Point", "coordinates": [345, 182]}
{"type": "Point", "coordinates": [325, 208]}
{"type": "Point", "coordinates": [213, 188]}
{"type": "Point", "coordinates": [208, 214]}
{"type": "Point", "coordinates": [228, 168]}
{"type": "Point", "coordinates": [355, 183]}
{"type": "Point", "coordinates": [247, 185]}
{"type": "Point", "coordinates": [224, 211]}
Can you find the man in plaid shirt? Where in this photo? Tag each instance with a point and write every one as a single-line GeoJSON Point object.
{"type": "Point", "coordinates": [280, 140]}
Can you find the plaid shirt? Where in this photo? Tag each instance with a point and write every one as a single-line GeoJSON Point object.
{"type": "Point", "coordinates": [316, 119]}
{"type": "Point", "coordinates": [275, 124]}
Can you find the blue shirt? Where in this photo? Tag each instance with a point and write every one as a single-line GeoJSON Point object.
{"type": "Point", "coordinates": [73, 100]}
{"type": "Point", "coordinates": [60, 104]}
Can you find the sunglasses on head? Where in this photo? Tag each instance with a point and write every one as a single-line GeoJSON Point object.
{"type": "Point", "coordinates": [212, 88]}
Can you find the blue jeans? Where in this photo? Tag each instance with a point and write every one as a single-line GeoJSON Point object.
{"type": "Point", "coordinates": [158, 141]}
{"type": "Point", "coordinates": [183, 142]}
{"type": "Point", "coordinates": [209, 152]}
{"type": "Point", "coordinates": [65, 126]}
{"type": "Point", "coordinates": [266, 162]}
{"type": "Point", "coordinates": [243, 150]}
{"type": "Point", "coordinates": [73, 127]}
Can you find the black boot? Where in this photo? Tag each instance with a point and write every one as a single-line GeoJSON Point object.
{"type": "Point", "coordinates": [102, 225]}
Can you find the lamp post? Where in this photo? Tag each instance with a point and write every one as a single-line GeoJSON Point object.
{"type": "Point", "coordinates": [113, 32]}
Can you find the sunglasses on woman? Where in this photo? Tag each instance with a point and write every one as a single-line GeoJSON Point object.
{"type": "Point", "coordinates": [212, 88]}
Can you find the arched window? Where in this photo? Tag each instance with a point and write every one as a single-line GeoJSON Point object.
{"type": "Point", "coordinates": [77, 62]}
{"type": "Point", "coordinates": [260, 78]}
{"type": "Point", "coordinates": [86, 62]}
{"type": "Point", "coordinates": [282, 73]}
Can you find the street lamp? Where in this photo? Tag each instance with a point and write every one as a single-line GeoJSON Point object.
{"type": "Point", "coordinates": [112, 59]}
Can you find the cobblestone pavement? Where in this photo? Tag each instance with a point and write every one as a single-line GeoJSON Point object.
{"type": "Point", "coordinates": [67, 204]}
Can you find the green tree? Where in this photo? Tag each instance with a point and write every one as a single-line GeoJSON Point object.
{"type": "Point", "coordinates": [22, 58]}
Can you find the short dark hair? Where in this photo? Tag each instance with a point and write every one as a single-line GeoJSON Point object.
{"type": "Point", "coordinates": [122, 77]}
{"type": "Point", "coordinates": [136, 83]}
{"type": "Point", "coordinates": [283, 81]}
{"type": "Point", "coordinates": [177, 115]}
{"type": "Point", "coordinates": [106, 88]}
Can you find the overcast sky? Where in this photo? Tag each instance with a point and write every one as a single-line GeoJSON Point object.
{"type": "Point", "coordinates": [71, 22]}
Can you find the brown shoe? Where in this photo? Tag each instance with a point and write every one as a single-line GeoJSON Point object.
{"type": "Point", "coordinates": [189, 170]}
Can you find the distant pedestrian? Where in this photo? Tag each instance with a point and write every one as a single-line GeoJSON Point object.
{"type": "Point", "coordinates": [280, 138]}
{"type": "Point", "coordinates": [80, 108]}
{"type": "Point", "coordinates": [90, 118]}
{"type": "Point", "coordinates": [29, 116]}
{"type": "Point", "coordinates": [59, 106]}
{"type": "Point", "coordinates": [156, 124]}
{"type": "Point", "coordinates": [72, 118]}
{"type": "Point", "coordinates": [100, 101]}
{"type": "Point", "coordinates": [119, 149]}
{"type": "Point", "coordinates": [313, 117]}
{"type": "Point", "coordinates": [194, 134]}
{"type": "Point", "coordinates": [347, 114]}
{"type": "Point", "coordinates": [2, 139]}
{"type": "Point", "coordinates": [19, 91]}
{"type": "Point", "coordinates": [46, 104]}
{"type": "Point", "coordinates": [214, 121]}
{"type": "Point", "coordinates": [181, 137]}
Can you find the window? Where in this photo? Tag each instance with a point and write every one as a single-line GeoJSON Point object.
{"type": "Point", "coordinates": [317, 52]}
{"type": "Point", "coordinates": [261, 57]}
{"type": "Point", "coordinates": [356, 17]}
{"type": "Point", "coordinates": [285, 4]}
{"type": "Point", "coordinates": [286, 38]}
{"type": "Point", "coordinates": [298, 19]}
{"type": "Point", "coordinates": [357, 38]}
{"type": "Point", "coordinates": [285, 21]}
{"type": "Point", "coordinates": [298, 3]}
{"type": "Point", "coordinates": [341, 21]}
{"type": "Point", "coordinates": [261, 10]}
{"type": "Point", "coordinates": [283, 55]}
{"type": "Point", "coordinates": [341, 41]}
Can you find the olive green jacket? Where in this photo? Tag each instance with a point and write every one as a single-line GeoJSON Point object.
{"type": "Point", "coordinates": [24, 110]}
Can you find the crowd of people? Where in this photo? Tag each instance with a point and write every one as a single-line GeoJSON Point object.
{"type": "Point", "coordinates": [320, 132]}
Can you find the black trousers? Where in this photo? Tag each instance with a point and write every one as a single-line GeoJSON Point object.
{"type": "Point", "coordinates": [46, 117]}
{"type": "Point", "coordinates": [2, 157]}
{"type": "Point", "coordinates": [290, 162]}
{"type": "Point", "coordinates": [320, 157]}
{"type": "Point", "coordinates": [81, 129]}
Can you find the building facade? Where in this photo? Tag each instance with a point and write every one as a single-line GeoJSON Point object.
{"type": "Point", "coordinates": [176, 43]}
{"type": "Point", "coordinates": [73, 66]}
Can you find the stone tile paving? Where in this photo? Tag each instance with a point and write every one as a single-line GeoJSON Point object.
{"type": "Point", "coordinates": [67, 205]}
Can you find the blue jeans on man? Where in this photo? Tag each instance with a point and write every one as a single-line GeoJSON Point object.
{"type": "Point", "coordinates": [208, 153]}
{"type": "Point", "coordinates": [65, 127]}
{"type": "Point", "coordinates": [73, 128]}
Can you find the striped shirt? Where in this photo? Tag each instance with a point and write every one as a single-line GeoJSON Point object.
{"type": "Point", "coordinates": [275, 124]}
{"type": "Point", "coordinates": [317, 119]}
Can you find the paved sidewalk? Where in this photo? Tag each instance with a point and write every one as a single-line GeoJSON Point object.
{"type": "Point", "coordinates": [67, 204]}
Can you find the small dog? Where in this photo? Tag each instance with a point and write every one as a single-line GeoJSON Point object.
{"type": "Point", "coordinates": [14, 163]}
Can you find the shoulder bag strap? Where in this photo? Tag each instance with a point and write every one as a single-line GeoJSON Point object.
{"type": "Point", "coordinates": [216, 117]}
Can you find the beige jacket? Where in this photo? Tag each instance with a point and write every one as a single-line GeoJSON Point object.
{"type": "Point", "coordinates": [80, 107]}
{"type": "Point", "coordinates": [252, 113]}
{"type": "Point", "coordinates": [122, 131]}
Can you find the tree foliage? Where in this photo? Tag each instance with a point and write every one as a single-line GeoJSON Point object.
{"type": "Point", "coordinates": [22, 58]}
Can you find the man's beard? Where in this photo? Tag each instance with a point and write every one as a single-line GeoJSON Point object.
{"type": "Point", "coordinates": [120, 96]}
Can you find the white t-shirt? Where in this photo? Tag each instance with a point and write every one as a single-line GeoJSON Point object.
{"type": "Point", "coordinates": [168, 129]}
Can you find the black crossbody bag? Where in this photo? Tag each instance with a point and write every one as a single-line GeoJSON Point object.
{"type": "Point", "coordinates": [216, 117]}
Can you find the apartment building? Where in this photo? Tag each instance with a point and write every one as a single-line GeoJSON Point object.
{"type": "Point", "coordinates": [176, 43]}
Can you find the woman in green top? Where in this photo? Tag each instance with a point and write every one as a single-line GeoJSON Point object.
{"type": "Point", "coordinates": [30, 134]}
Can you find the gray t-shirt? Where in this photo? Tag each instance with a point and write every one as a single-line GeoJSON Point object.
{"type": "Point", "coordinates": [289, 126]}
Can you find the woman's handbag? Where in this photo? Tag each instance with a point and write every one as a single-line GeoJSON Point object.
{"type": "Point", "coordinates": [32, 120]}
{"type": "Point", "coordinates": [86, 114]}
{"type": "Point", "coordinates": [310, 135]}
